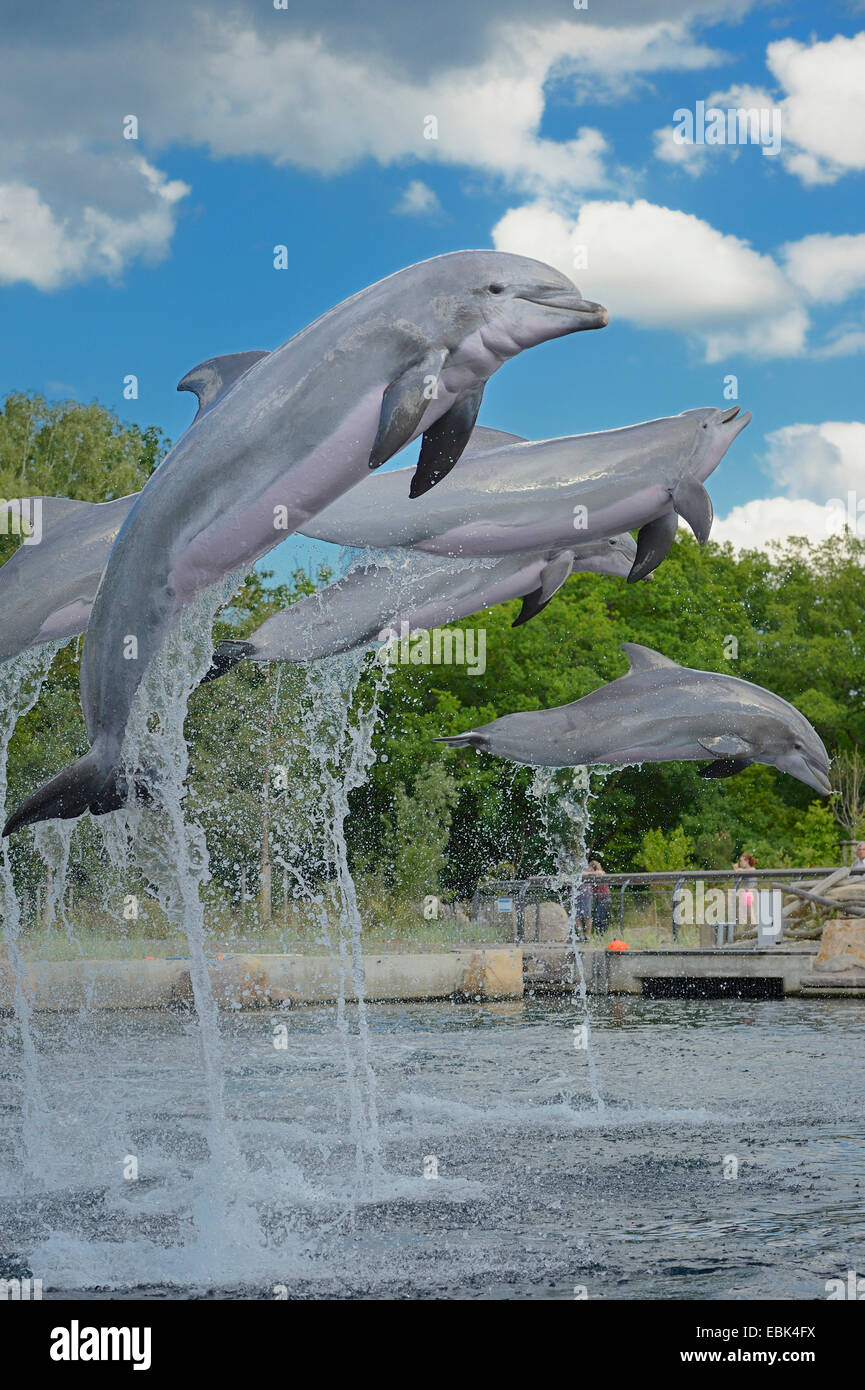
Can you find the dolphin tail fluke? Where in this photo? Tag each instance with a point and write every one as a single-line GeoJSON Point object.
{"type": "Point", "coordinates": [67, 795]}
{"type": "Point", "coordinates": [117, 793]}
{"type": "Point", "coordinates": [444, 442]}
{"type": "Point", "coordinates": [654, 541]}
{"type": "Point", "coordinates": [693, 503]}
{"type": "Point", "coordinates": [226, 657]}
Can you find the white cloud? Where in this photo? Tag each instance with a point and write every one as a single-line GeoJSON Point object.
{"type": "Point", "coordinates": [318, 90]}
{"type": "Point", "coordinates": [418, 200]}
{"type": "Point", "coordinates": [818, 461]}
{"type": "Point", "coordinates": [820, 471]}
{"type": "Point", "coordinates": [46, 247]}
{"type": "Point", "coordinates": [661, 268]}
{"type": "Point", "coordinates": [823, 112]}
{"type": "Point", "coordinates": [826, 268]}
{"type": "Point", "coordinates": [754, 524]}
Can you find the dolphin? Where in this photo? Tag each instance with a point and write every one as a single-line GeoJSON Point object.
{"type": "Point", "coordinates": [278, 435]}
{"type": "Point", "coordinates": [662, 712]}
{"type": "Point", "coordinates": [414, 592]}
{"type": "Point", "coordinates": [512, 494]}
{"type": "Point", "coordinates": [47, 589]}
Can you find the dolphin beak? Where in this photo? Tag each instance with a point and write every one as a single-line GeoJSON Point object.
{"type": "Point", "coordinates": [804, 771]}
{"type": "Point", "coordinates": [569, 300]}
{"type": "Point", "coordinates": [740, 423]}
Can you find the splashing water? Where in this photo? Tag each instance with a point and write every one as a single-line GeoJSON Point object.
{"type": "Point", "coordinates": [337, 724]}
{"type": "Point", "coordinates": [171, 852]}
{"type": "Point", "coordinates": [21, 682]}
{"type": "Point", "coordinates": [573, 800]}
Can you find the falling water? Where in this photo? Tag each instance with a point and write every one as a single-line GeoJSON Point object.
{"type": "Point", "coordinates": [171, 851]}
{"type": "Point", "coordinates": [21, 682]}
{"type": "Point", "coordinates": [573, 801]}
{"type": "Point", "coordinates": [338, 716]}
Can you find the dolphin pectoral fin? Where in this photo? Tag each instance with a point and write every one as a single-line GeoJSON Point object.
{"type": "Point", "coordinates": [468, 740]}
{"type": "Point", "coordinates": [533, 604]}
{"type": "Point", "coordinates": [654, 541]}
{"type": "Point", "coordinates": [726, 746]}
{"type": "Point", "coordinates": [444, 441]}
{"type": "Point", "coordinates": [210, 380]}
{"type": "Point", "coordinates": [553, 576]}
{"type": "Point", "coordinates": [225, 658]}
{"type": "Point", "coordinates": [724, 767]}
{"type": "Point", "coordinates": [403, 405]}
{"type": "Point", "coordinates": [693, 503]}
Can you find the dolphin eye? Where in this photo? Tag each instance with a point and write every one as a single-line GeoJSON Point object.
{"type": "Point", "coordinates": [496, 289]}
{"type": "Point", "coordinates": [705, 424]}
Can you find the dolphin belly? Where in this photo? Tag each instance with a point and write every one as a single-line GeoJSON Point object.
{"type": "Point", "coordinates": [240, 536]}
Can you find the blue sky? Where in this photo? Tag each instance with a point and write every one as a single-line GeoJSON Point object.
{"type": "Point", "coordinates": [148, 256]}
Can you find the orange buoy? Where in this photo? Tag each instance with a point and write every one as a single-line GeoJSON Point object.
{"type": "Point", "coordinates": [617, 946]}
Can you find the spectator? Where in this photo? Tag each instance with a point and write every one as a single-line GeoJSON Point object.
{"type": "Point", "coordinates": [858, 865]}
{"type": "Point", "coordinates": [584, 902]}
{"type": "Point", "coordinates": [747, 889]}
{"type": "Point", "coordinates": [601, 895]}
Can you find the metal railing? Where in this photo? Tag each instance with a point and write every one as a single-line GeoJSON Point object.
{"type": "Point", "coordinates": [653, 896]}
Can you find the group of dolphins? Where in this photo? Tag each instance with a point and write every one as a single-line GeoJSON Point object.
{"type": "Point", "coordinates": [283, 442]}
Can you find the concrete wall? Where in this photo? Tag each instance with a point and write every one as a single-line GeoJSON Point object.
{"type": "Point", "coordinates": [247, 981]}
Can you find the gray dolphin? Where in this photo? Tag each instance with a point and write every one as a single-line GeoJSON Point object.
{"type": "Point", "coordinates": [413, 593]}
{"type": "Point", "coordinates": [279, 435]}
{"type": "Point", "coordinates": [512, 495]}
{"type": "Point", "coordinates": [47, 590]}
{"type": "Point", "coordinates": [662, 712]}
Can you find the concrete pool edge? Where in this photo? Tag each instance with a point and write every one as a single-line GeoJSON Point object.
{"type": "Point", "coordinates": [462, 974]}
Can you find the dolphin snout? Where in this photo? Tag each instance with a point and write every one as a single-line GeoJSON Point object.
{"type": "Point", "coordinates": [570, 300]}
{"type": "Point", "coordinates": [729, 415]}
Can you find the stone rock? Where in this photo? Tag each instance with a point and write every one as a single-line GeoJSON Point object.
{"type": "Point", "coordinates": [843, 940]}
{"type": "Point", "coordinates": [552, 923]}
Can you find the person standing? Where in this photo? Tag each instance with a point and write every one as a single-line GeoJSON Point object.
{"type": "Point", "coordinates": [858, 865]}
{"type": "Point", "coordinates": [601, 899]}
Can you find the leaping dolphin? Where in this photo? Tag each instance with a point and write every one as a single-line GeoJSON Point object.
{"type": "Point", "coordinates": [662, 712]}
{"type": "Point", "coordinates": [47, 590]}
{"type": "Point", "coordinates": [278, 436]}
{"type": "Point", "coordinates": [413, 593]}
{"type": "Point", "coordinates": [513, 495]}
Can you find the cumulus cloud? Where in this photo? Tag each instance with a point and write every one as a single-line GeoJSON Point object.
{"type": "Point", "coordinates": [818, 461]}
{"type": "Point", "coordinates": [819, 98]}
{"type": "Point", "coordinates": [824, 120]}
{"type": "Point", "coordinates": [754, 524]}
{"type": "Point", "coordinates": [820, 472]}
{"type": "Point", "coordinates": [319, 88]}
{"type": "Point", "coordinates": [418, 200]}
{"type": "Point", "coordinates": [661, 268]}
{"type": "Point", "coordinates": [826, 268]}
{"type": "Point", "coordinates": [49, 245]}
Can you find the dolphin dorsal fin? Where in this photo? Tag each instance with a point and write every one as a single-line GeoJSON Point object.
{"type": "Point", "coordinates": [483, 440]}
{"type": "Point", "coordinates": [644, 659]}
{"type": "Point", "coordinates": [210, 380]}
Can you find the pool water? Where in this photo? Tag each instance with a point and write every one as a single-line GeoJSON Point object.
{"type": "Point", "coordinates": [728, 1162]}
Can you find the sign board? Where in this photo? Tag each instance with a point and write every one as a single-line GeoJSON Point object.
{"type": "Point", "coordinates": [505, 904]}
